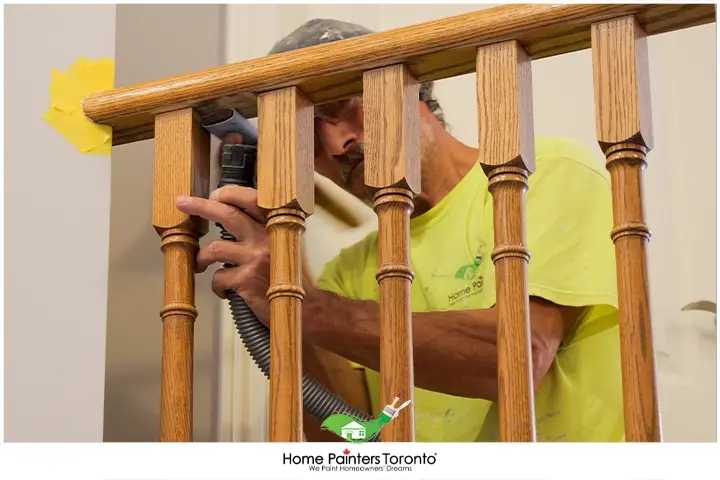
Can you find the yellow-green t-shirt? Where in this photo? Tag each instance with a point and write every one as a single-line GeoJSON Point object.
{"type": "Point", "coordinates": [568, 222]}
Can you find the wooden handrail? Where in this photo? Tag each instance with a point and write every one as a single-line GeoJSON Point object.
{"type": "Point", "coordinates": [433, 50]}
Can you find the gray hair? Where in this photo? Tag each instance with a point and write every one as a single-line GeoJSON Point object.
{"type": "Point", "coordinates": [324, 30]}
{"type": "Point", "coordinates": [427, 97]}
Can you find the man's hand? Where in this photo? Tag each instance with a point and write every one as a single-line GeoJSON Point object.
{"type": "Point", "coordinates": [236, 209]}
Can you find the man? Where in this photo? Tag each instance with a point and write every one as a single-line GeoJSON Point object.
{"type": "Point", "coordinates": [575, 338]}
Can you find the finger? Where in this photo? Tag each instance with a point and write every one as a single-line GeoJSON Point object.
{"type": "Point", "coordinates": [228, 279]}
{"type": "Point", "coordinates": [242, 197]}
{"type": "Point", "coordinates": [235, 221]}
{"type": "Point", "coordinates": [220, 288]}
{"type": "Point", "coordinates": [224, 251]}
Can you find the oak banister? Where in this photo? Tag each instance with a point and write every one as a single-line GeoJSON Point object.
{"type": "Point", "coordinates": [432, 50]}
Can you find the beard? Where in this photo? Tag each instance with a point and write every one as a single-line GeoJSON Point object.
{"type": "Point", "coordinates": [352, 177]}
{"type": "Point", "coordinates": [350, 160]}
{"type": "Point", "coordinates": [352, 173]}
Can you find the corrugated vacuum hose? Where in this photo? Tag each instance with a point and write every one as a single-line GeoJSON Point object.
{"type": "Point", "coordinates": [238, 168]}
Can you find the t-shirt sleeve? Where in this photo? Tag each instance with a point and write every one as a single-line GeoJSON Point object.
{"type": "Point", "coordinates": [332, 279]}
{"type": "Point", "coordinates": [346, 273]}
{"type": "Point", "coordinates": [568, 223]}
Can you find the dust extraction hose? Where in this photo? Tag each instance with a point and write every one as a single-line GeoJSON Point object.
{"type": "Point", "coordinates": [238, 168]}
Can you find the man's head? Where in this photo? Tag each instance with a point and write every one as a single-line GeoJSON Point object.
{"type": "Point", "coordinates": [339, 139]}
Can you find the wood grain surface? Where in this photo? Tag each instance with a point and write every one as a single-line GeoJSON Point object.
{"type": "Point", "coordinates": [624, 132]}
{"type": "Point", "coordinates": [285, 191]}
{"type": "Point", "coordinates": [505, 130]}
{"type": "Point", "coordinates": [392, 172]}
{"type": "Point", "coordinates": [182, 167]}
{"type": "Point", "coordinates": [431, 50]}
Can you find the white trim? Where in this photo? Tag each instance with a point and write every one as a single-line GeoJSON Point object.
{"type": "Point", "coordinates": [243, 390]}
{"type": "Point", "coordinates": [250, 413]}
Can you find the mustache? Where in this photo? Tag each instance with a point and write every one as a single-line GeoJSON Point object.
{"type": "Point", "coordinates": [349, 160]}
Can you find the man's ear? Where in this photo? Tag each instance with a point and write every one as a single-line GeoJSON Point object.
{"type": "Point", "coordinates": [428, 117]}
{"type": "Point", "coordinates": [424, 110]}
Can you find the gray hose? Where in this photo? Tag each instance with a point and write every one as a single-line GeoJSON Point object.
{"type": "Point", "coordinates": [239, 168]}
{"type": "Point", "coordinates": [320, 402]}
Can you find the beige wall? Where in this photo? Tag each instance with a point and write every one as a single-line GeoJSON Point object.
{"type": "Point", "coordinates": [681, 199]}
{"type": "Point", "coordinates": [57, 206]}
{"type": "Point", "coordinates": [61, 294]}
{"type": "Point", "coordinates": [153, 41]}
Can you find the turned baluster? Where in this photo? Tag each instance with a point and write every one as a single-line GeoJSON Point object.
{"type": "Point", "coordinates": [624, 132]}
{"type": "Point", "coordinates": [507, 155]}
{"type": "Point", "coordinates": [286, 192]}
{"type": "Point", "coordinates": [182, 167]}
{"type": "Point", "coordinates": [392, 171]}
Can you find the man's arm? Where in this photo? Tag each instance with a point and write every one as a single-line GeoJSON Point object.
{"type": "Point", "coordinates": [568, 217]}
{"type": "Point", "coordinates": [455, 352]}
{"type": "Point", "coordinates": [334, 373]}
{"type": "Point", "coordinates": [568, 211]}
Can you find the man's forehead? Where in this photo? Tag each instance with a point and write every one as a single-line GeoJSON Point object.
{"type": "Point", "coordinates": [318, 31]}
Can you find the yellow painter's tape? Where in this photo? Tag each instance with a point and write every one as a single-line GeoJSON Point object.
{"type": "Point", "coordinates": [67, 91]}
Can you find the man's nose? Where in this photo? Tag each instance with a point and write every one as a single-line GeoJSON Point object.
{"type": "Point", "coordinates": [339, 137]}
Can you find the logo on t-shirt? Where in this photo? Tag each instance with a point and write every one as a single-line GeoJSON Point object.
{"type": "Point", "coordinates": [471, 275]}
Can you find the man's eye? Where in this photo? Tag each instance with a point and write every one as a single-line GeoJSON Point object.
{"type": "Point", "coordinates": [325, 118]}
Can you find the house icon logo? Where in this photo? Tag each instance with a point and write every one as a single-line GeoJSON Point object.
{"type": "Point", "coordinates": [354, 430]}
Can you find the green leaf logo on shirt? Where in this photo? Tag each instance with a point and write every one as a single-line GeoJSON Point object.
{"type": "Point", "coordinates": [470, 271]}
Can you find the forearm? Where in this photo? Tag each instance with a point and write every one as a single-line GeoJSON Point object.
{"type": "Point", "coordinates": [454, 352]}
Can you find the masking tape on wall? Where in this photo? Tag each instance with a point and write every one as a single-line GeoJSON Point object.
{"type": "Point", "coordinates": [67, 91]}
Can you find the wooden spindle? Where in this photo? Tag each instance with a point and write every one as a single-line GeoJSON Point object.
{"type": "Point", "coordinates": [392, 170]}
{"type": "Point", "coordinates": [507, 155]}
{"type": "Point", "coordinates": [182, 167]}
{"type": "Point", "coordinates": [286, 192]}
{"type": "Point", "coordinates": [624, 132]}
